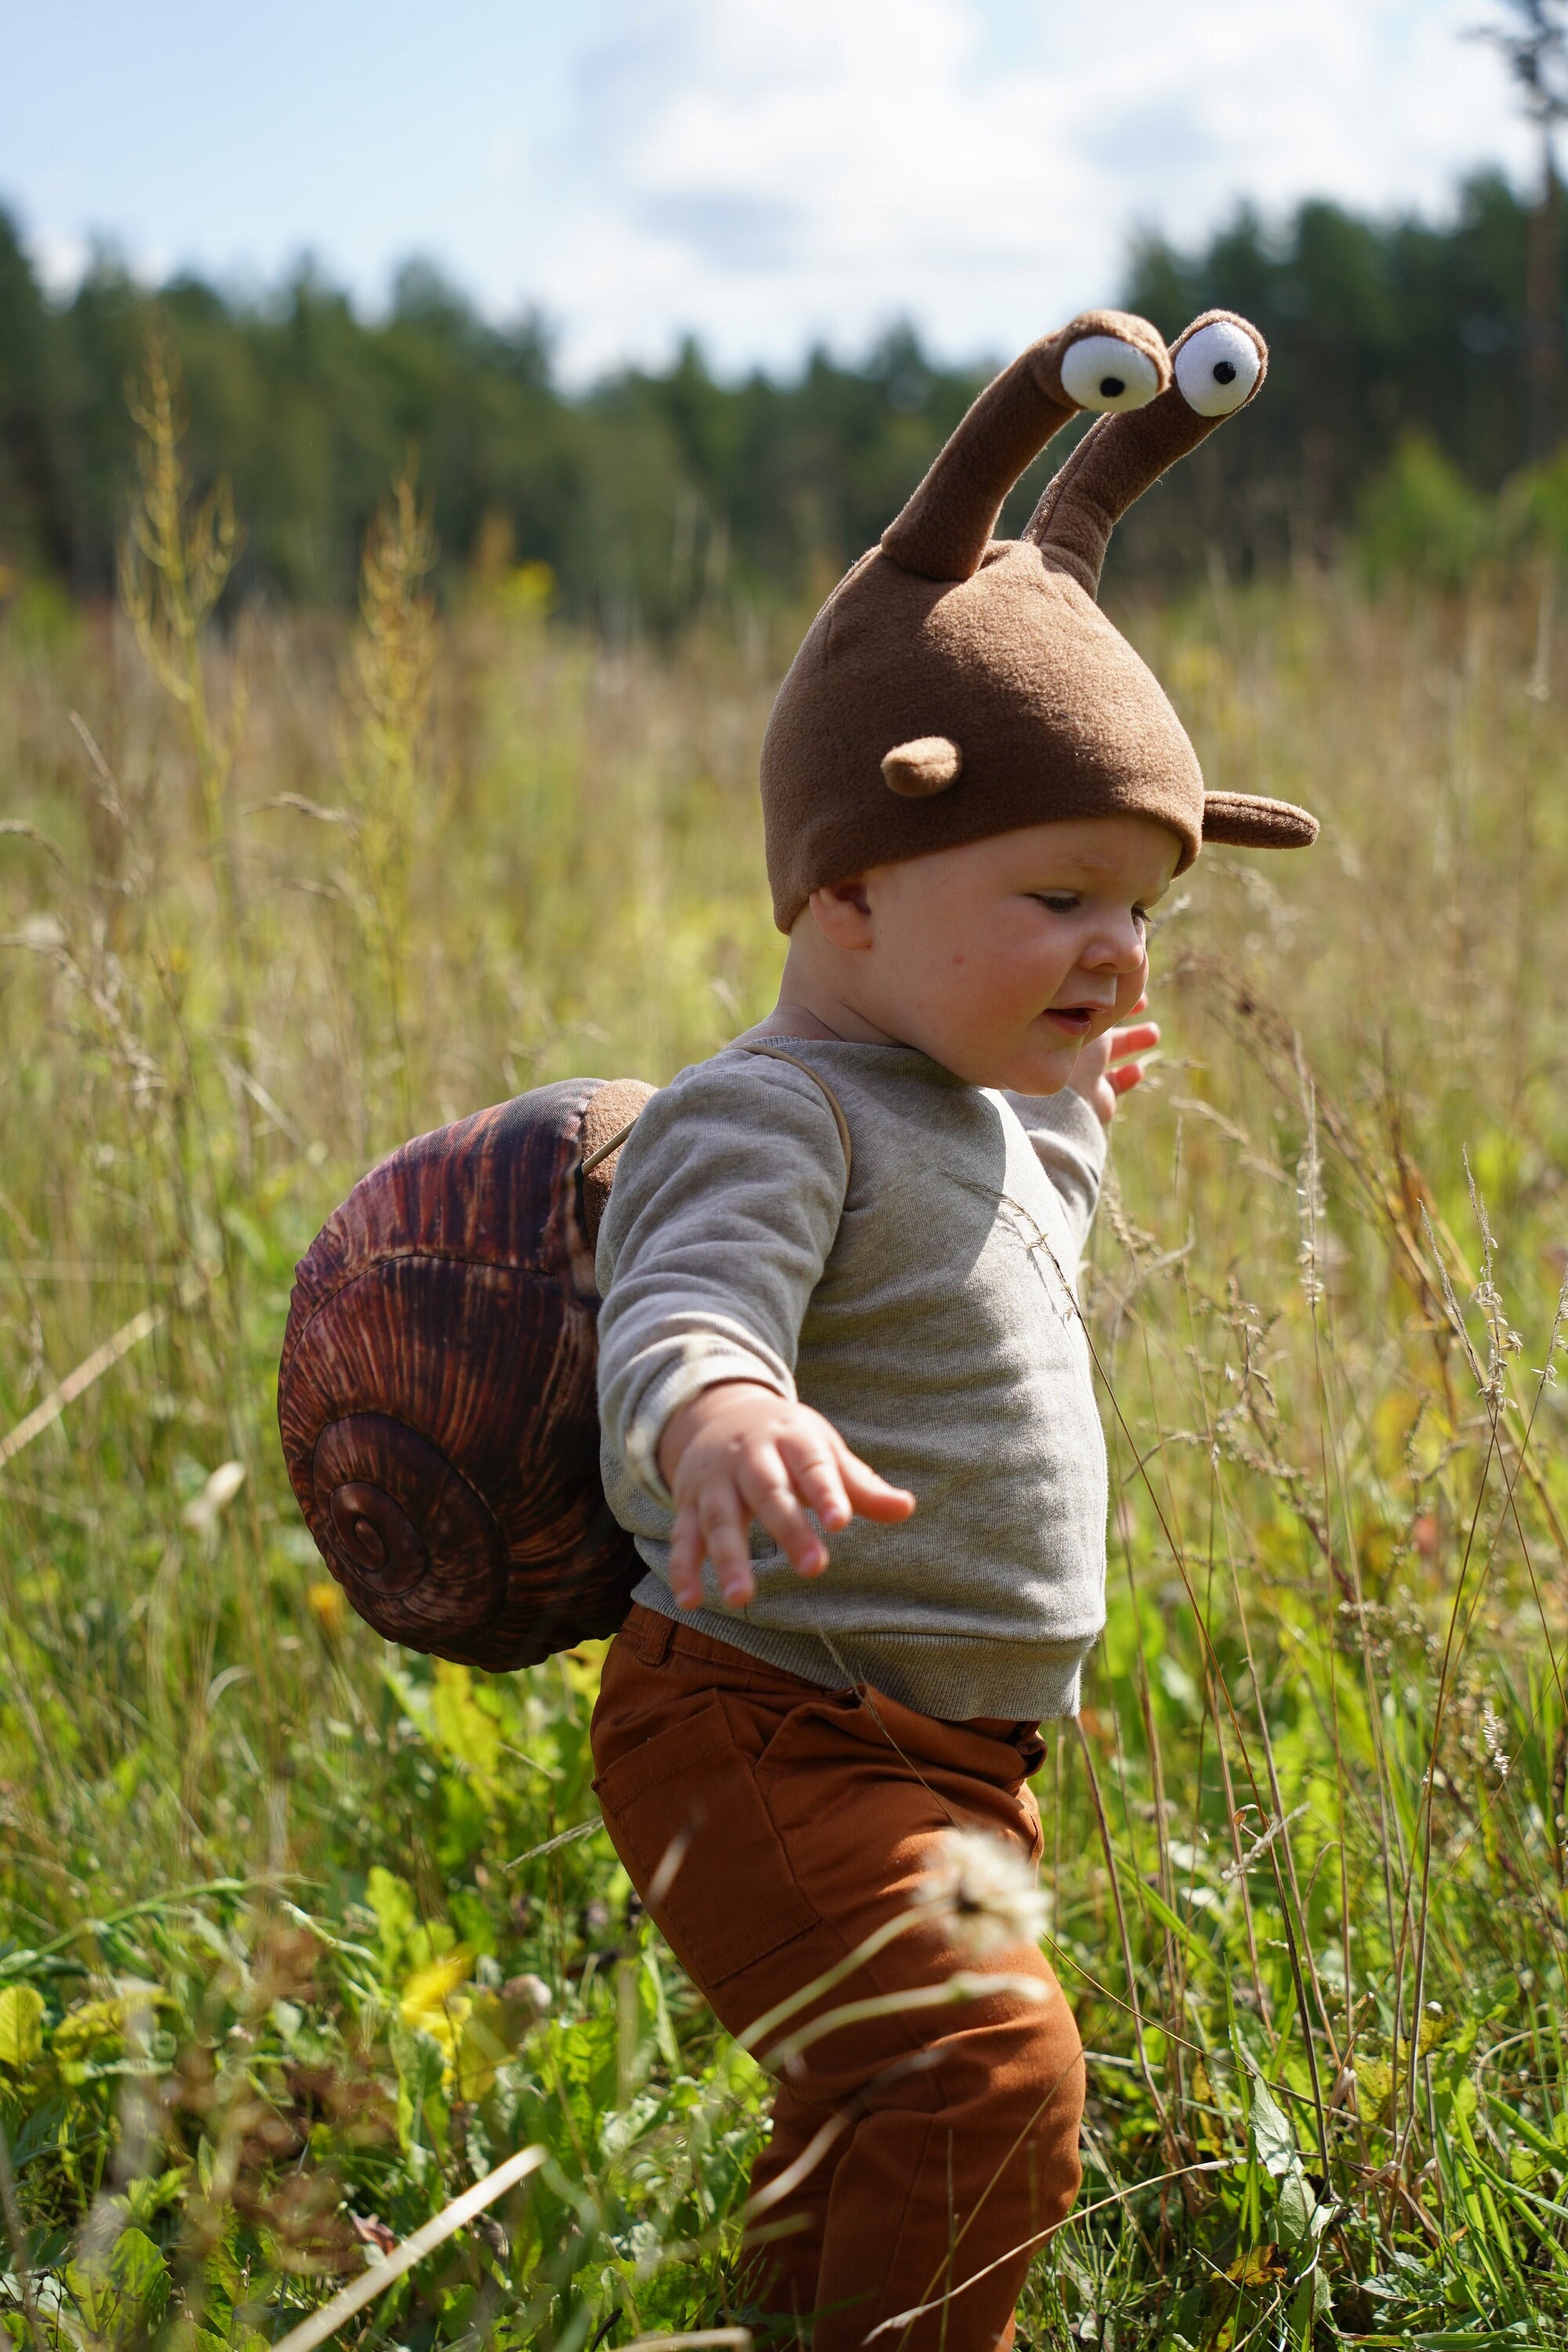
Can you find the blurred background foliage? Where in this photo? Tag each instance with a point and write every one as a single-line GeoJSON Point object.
{"type": "Point", "coordinates": [1400, 425]}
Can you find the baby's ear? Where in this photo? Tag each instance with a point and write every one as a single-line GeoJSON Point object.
{"type": "Point", "coordinates": [1218, 365]}
{"type": "Point", "coordinates": [842, 912]}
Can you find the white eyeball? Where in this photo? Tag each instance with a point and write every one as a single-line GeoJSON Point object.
{"type": "Point", "coordinates": [1101, 372]}
{"type": "Point", "coordinates": [1217, 368]}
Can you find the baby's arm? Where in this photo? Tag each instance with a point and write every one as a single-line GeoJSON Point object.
{"type": "Point", "coordinates": [726, 1203]}
{"type": "Point", "coordinates": [740, 1453]}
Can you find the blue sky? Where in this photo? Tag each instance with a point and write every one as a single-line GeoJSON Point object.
{"type": "Point", "coordinates": [763, 171]}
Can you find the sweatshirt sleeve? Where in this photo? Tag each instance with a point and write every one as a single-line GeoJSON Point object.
{"type": "Point", "coordinates": [1071, 1146]}
{"type": "Point", "coordinates": [725, 1204]}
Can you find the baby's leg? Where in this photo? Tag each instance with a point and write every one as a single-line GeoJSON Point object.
{"type": "Point", "coordinates": [785, 2258]}
{"type": "Point", "coordinates": [772, 1826]}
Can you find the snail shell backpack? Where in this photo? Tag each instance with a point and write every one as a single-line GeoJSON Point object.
{"type": "Point", "coordinates": [437, 1395]}
{"type": "Point", "coordinates": [437, 1389]}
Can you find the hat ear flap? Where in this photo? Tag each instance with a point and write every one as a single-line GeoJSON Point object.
{"type": "Point", "coordinates": [1104, 360]}
{"type": "Point", "coordinates": [1218, 366]}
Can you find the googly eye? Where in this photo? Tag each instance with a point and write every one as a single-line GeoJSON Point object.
{"type": "Point", "coordinates": [1217, 368]}
{"type": "Point", "coordinates": [1101, 372]}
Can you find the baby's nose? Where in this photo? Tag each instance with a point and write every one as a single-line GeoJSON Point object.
{"type": "Point", "coordinates": [1120, 947]}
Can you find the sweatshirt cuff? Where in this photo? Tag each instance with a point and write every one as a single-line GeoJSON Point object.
{"type": "Point", "coordinates": [699, 1361]}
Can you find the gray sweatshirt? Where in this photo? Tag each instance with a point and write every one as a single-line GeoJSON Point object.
{"type": "Point", "coordinates": [926, 1308]}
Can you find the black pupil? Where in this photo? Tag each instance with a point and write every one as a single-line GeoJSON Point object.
{"type": "Point", "coordinates": [1111, 386]}
{"type": "Point", "coordinates": [1224, 371]}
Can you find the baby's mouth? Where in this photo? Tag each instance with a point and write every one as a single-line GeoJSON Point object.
{"type": "Point", "coordinates": [1074, 1018]}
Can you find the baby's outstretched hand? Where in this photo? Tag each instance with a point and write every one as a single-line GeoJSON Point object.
{"type": "Point", "coordinates": [738, 1452]}
{"type": "Point", "coordinates": [1107, 1068]}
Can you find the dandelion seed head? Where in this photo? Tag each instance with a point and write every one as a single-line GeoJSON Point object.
{"type": "Point", "coordinates": [984, 1893]}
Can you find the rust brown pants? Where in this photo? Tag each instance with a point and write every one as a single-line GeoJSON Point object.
{"type": "Point", "coordinates": [769, 1825]}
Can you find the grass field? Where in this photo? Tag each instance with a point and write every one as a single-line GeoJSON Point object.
{"type": "Point", "coordinates": [298, 1935]}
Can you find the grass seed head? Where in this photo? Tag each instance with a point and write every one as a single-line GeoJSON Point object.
{"type": "Point", "coordinates": [984, 1893]}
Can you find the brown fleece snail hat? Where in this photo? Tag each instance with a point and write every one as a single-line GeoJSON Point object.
{"type": "Point", "coordinates": [955, 685]}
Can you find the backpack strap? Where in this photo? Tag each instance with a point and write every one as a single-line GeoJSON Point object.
{"type": "Point", "coordinates": [776, 1053]}
{"type": "Point", "coordinates": [611, 1143]}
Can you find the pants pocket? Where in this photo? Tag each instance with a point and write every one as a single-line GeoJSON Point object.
{"type": "Point", "coordinates": [687, 1819]}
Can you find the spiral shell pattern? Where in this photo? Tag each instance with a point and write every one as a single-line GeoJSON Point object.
{"type": "Point", "coordinates": [436, 1394]}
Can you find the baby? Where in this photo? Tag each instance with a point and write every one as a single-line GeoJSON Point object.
{"type": "Point", "coordinates": [839, 1314]}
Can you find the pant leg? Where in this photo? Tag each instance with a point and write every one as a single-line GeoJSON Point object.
{"type": "Point", "coordinates": [769, 1826]}
{"type": "Point", "coordinates": [784, 2261]}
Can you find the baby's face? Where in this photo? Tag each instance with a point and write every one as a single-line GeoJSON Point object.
{"type": "Point", "coordinates": [1001, 959]}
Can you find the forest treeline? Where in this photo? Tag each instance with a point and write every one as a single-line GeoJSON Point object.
{"type": "Point", "coordinates": [1399, 355]}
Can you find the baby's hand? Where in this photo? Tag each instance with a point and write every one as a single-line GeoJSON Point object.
{"type": "Point", "coordinates": [737, 1453]}
{"type": "Point", "coordinates": [1104, 1070]}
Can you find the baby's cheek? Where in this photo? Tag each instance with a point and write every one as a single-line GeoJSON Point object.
{"type": "Point", "coordinates": [1133, 986]}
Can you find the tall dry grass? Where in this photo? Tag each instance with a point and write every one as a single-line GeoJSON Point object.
{"type": "Point", "coordinates": [303, 1933]}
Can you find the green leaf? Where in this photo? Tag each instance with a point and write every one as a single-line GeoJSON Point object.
{"type": "Point", "coordinates": [1375, 2085]}
{"type": "Point", "coordinates": [153, 2193]}
{"type": "Point", "coordinates": [421, 2119]}
{"type": "Point", "coordinates": [1298, 2207]}
{"type": "Point", "coordinates": [1271, 2134]}
{"type": "Point", "coordinates": [21, 2025]}
{"type": "Point", "coordinates": [467, 1731]}
{"type": "Point", "coordinates": [1201, 1951]}
{"type": "Point", "coordinates": [125, 2294]}
{"type": "Point", "coordinates": [139, 2271]}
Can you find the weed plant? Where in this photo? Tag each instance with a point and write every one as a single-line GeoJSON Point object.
{"type": "Point", "coordinates": [300, 1935]}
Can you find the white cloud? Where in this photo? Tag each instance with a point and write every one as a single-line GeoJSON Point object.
{"type": "Point", "coordinates": [771, 171]}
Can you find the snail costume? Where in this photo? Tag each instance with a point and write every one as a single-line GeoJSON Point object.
{"type": "Point", "coordinates": [474, 1437]}
{"type": "Point", "coordinates": [436, 1390]}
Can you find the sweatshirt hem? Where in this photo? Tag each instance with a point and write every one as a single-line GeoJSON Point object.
{"type": "Point", "coordinates": [936, 1674]}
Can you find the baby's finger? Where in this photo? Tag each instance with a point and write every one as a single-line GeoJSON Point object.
{"type": "Point", "coordinates": [724, 1532]}
{"type": "Point", "coordinates": [1141, 1039]}
{"type": "Point", "coordinates": [1123, 1081]}
{"type": "Point", "coordinates": [686, 1554]}
{"type": "Point", "coordinates": [871, 1495]}
{"type": "Point", "coordinates": [766, 1485]}
{"type": "Point", "coordinates": [810, 1463]}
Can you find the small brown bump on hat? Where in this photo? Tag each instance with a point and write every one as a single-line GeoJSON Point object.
{"type": "Point", "coordinates": [927, 765]}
